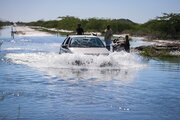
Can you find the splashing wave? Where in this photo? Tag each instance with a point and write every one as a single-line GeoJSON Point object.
{"type": "Point", "coordinates": [120, 65]}
{"type": "Point", "coordinates": [121, 60]}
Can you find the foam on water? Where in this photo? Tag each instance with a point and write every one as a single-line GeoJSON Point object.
{"type": "Point", "coordinates": [121, 60]}
{"type": "Point", "coordinates": [120, 65]}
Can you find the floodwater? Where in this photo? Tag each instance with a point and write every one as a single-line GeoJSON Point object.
{"type": "Point", "coordinates": [38, 83]}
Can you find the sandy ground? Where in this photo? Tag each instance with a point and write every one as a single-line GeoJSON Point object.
{"type": "Point", "coordinates": [164, 42]}
{"type": "Point", "coordinates": [169, 43]}
{"type": "Point", "coordinates": [174, 45]}
{"type": "Point", "coordinates": [52, 29]}
{"type": "Point", "coordinates": [27, 31]}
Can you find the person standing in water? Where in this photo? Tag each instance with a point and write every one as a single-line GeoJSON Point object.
{"type": "Point", "coordinates": [108, 36]}
{"type": "Point", "coordinates": [79, 30]}
{"type": "Point", "coordinates": [127, 44]}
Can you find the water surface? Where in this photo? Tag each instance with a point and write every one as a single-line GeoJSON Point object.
{"type": "Point", "coordinates": [38, 83]}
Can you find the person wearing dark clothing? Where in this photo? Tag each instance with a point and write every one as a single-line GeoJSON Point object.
{"type": "Point", "coordinates": [79, 30]}
{"type": "Point", "coordinates": [127, 44]}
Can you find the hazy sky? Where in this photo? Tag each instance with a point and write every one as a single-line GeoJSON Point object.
{"type": "Point", "coordinates": [139, 11]}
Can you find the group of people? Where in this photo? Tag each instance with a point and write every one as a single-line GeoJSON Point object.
{"type": "Point", "coordinates": [107, 37]}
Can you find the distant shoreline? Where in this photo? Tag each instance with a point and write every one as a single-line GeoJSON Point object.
{"type": "Point", "coordinates": [159, 48]}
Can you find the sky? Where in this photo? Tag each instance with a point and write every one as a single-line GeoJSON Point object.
{"type": "Point", "coordinates": [139, 11]}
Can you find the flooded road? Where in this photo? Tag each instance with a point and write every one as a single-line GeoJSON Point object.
{"type": "Point", "coordinates": [38, 83]}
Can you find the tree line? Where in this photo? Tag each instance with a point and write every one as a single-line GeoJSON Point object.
{"type": "Point", "coordinates": [1, 24]}
{"type": "Point", "coordinates": [4, 23]}
{"type": "Point", "coordinates": [89, 25]}
{"type": "Point", "coordinates": [166, 26]}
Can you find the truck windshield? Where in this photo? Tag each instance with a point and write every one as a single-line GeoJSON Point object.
{"type": "Point", "coordinates": [86, 42]}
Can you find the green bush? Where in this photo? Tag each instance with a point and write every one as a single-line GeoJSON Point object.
{"type": "Point", "coordinates": [91, 24]}
{"type": "Point", "coordinates": [164, 27]}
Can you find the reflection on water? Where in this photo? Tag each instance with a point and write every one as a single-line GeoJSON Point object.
{"type": "Point", "coordinates": [38, 83]}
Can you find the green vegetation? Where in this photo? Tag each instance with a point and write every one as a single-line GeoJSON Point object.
{"type": "Point", "coordinates": [2, 23]}
{"type": "Point", "coordinates": [165, 27]}
{"type": "Point", "coordinates": [89, 25]}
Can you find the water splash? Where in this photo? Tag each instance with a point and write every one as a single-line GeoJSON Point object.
{"type": "Point", "coordinates": [119, 65]}
{"type": "Point", "coordinates": [121, 60]}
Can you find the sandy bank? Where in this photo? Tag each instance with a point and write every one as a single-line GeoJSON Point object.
{"type": "Point", "coordinates": [27, 31]}
{"type": "Point", "coordinates": [161, 48]}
